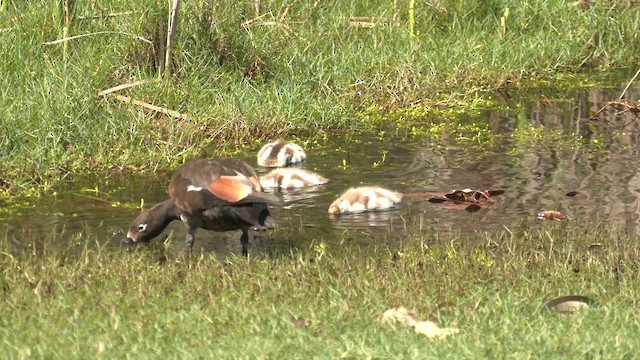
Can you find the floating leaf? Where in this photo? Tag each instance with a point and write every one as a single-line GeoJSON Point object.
{"type": "Point", "coordinates": [409, 318]}
{"type": "Point", "coordinates": [569, 303]}
{"type": "Point", "coordinates": [430, 330]}
{"type": "Point", "coordinates": [462, 195]}
{"type": "Point", "coordinates": [552, 215]}
{"type": "Point", "coordinates": [482, 195]}
{"type": "Point", "coordinates": [472, 196]}
{"type": "Point", "coordinates": [455, 206]}
{"type": "Point", "coordinates": [467, 207]}
{"type": "Point", "coordinates": [473, 208]}
{"type": "Point", "coordinates": [462, 199]}
{"type": "Point", "coordinates": [399, 315]}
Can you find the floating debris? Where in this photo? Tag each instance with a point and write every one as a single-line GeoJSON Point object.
{"type": "Point", "coordinates": [467, 207]}
{"type": "Point", "coordinates": [551, 215]}
{"type": "Point", "coordinates": [470, 200]}
{"type": "Point", "coordinates": [298, 322]}
{"type": "Point", "coordinates": [569, 303]}
{"type": "Point", "coordinates": [409, 318]}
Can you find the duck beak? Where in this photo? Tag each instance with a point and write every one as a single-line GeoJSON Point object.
{"type": "Point", "coordinates": [129, 240]}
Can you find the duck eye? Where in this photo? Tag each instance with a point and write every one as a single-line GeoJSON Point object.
{"type": "Point", "coordinates": [142, 227]}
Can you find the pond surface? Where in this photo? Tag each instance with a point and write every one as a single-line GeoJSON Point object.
{"type": "Point", "coordinates": [540, 148]}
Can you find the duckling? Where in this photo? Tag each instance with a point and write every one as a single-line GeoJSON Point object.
{"type": "Point", "coordinates": [280, 153]}
{"type": "Point", "coordinates": [288, 178]}
{"type": "Point", "coordinates": [365, 198]}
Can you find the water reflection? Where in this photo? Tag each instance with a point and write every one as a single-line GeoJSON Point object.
{"type": "Point", "coordinates": [604, 168]}
{"type": "Point", "coordinates": [300, 197]}
{"type": "Point", "coordinates": [367, 219]}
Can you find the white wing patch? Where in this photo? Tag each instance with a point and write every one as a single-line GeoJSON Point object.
{"type": "Point", "coordinates": [194, 188]}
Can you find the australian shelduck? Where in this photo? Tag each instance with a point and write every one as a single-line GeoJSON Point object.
{"type": "Point", "coordinates": [219, 195]}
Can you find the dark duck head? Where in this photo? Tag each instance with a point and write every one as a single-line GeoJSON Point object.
{"type": "Point", "coordinates": [150, 223]}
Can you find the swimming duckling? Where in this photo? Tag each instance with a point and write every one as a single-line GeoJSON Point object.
{"type": "Point", "coordinates": [280, 153]}
{"type": "Point", "coordinates": [288, 178]}
{"type": "Point", "coordinates": [365, 198]}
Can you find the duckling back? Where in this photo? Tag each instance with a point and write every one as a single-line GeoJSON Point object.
{"type": "Point", "coordinates": [288, 178]}
{"type": "Point", "coordinates": [280, 153]}
{"type": "Point", "coordinates": [365, 198]}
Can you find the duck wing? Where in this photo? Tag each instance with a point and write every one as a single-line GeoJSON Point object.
{"type": "Point", "coordinates": [203, 183]}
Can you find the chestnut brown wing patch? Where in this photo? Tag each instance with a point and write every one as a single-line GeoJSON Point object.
{"type": "Point", "coordinates": [256, 183]}
{"type": "Point", "coordinates": [231, 188]}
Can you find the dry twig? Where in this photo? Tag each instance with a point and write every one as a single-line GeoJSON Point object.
{"type": "Point", "coordinates": [122, 87]}
{"type": "Point", "coordinates": [145, 105]}
{"type": "Point", "coordinates": [97, 33]}
{"type": "Point", "coordinates": [171, 35]}
{"type": "Point", "coordinates": [629, 106]}
{"type": "Point", "coordinates": [260, 20]}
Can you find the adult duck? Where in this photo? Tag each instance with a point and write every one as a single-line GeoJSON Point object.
{"type": "Point", "coordinates": [219, 195]}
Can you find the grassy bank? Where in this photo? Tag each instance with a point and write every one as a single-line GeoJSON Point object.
{"type": "Point", "coordinates": [242, 75]}
{"type": "Point", "coordinates": [98, 302]}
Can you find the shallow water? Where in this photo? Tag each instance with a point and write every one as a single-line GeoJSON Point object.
{"type": "Point", "coordinates": [535, 173]}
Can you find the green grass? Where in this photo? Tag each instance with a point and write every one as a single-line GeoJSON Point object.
{"type": "Point", "coordinates": [312, 72]}
{"type": "Point", "coordinates": [93, 300]}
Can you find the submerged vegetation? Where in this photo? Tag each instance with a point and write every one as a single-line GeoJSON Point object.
{"type": "Point", "coordinates": [324, 301]}
{"type": "Point", "coordinates": [245, 73]}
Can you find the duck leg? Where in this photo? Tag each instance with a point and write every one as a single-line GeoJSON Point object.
{"type": "Point", "coordinates": [244, 241]}
{"type": "Point", "coordinates": [192, 223]}
{"type": "Point", "coordinates": [191, 238]}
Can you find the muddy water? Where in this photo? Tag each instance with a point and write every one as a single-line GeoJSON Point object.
{"type": "Point", "coordinates": [536, 174]}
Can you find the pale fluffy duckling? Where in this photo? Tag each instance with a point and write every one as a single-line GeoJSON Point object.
{"type": "Point", "coordinates": [365, 198]}
{"type": "Point", "coordinates": [280, 153]}
{"type": "Point", "coordinates": [288, 178]}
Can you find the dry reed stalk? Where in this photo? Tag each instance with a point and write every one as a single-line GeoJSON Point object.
{"type": "Point", "coordinates": [635, 109]}
{"type": "Point", "coordinates": [362, 24]}
{"type": "Point", "coordinates": [91, 17]}
{"type": "Point", "coordinates": [258, 20]}
{"type": "Point", "coordinates": [160, 54]}
{"type": "Point", "coordinates": [145, 105]}
{"type": "Point", "coordinates": [97, 33]}
{"type": "Point", "coordinates": [122, 87]}
{"type": "Point", "coordinates": [171, 35]}
{"type": "Point", "coordinates": [67, 26]}
{"type": "Point", "coordinates": [250, 22]}
{"type": "Point", "coordinates": [285, 12]}
{"type": "Point", "coordinates": [629, 84]}
{"type": "Point", "coordinates": [367, 21]}
{"type": "Point", "coordinates": [257, 4]}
